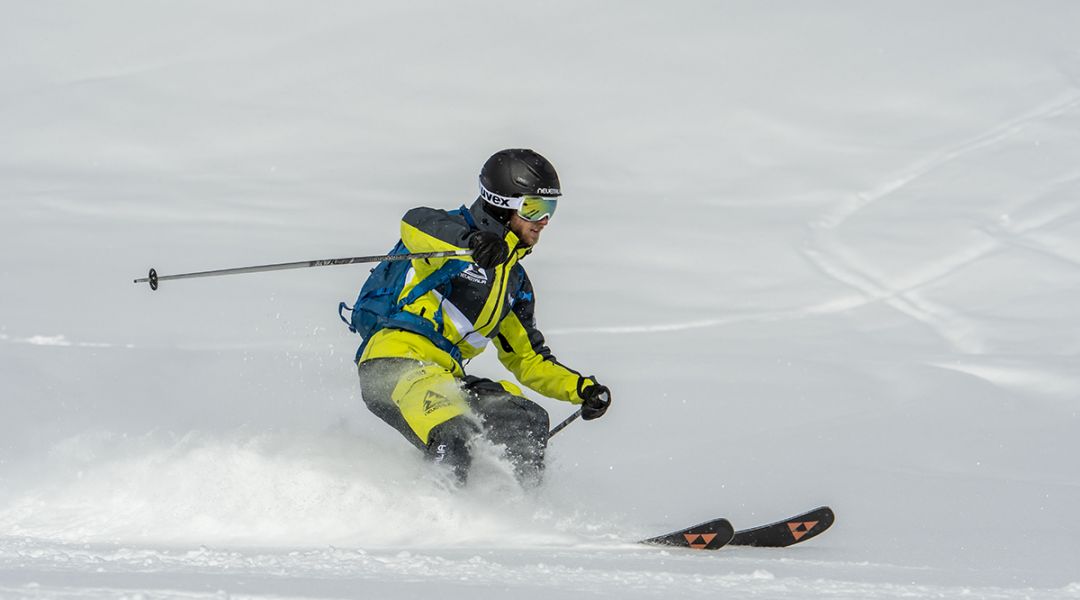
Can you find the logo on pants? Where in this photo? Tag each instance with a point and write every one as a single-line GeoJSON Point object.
{"type": "Point", "coordinates": [433, 401]}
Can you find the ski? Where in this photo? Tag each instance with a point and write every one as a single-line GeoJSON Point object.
{"type": "Point", "coordinates": [790, 531]}
{"type": "Point", "coordinates": [715, 534]}
{"type": "Point", "coordinates": [711, 535]}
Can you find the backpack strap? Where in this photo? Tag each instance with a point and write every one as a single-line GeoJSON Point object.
{"type": "Point", "coordinates": [407, 321]}
{"type": "Point", "coordinates": [466, 213]}
{"type": "Point", "coordinates": [401, 319]}
{"type": "Point", "coordinates": [342, 307]}
{"type": "Point", "coordinates": [441, 275]}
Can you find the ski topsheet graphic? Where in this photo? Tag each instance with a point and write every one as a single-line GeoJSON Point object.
{"type": "Point", "coordinates": [705, 536]}
{"type": "Point", "coordinates": [718, 533]}
{"type": "Point", "coordinates": [790, 531]}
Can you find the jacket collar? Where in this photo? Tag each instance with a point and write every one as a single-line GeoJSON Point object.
{"type": "Point", "coordinates": [485, 222]}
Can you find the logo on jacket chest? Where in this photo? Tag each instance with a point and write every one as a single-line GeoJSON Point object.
{"type": "Point", "coordinates": [475, 274]}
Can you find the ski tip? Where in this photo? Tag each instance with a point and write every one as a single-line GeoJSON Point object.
{"type": "Point", "coordinates": [790, 531]}
{"type": "Point", "coordinates": [711, 535]}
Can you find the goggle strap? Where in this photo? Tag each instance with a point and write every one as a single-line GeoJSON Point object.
{"type": "Point", "coordinates": [501, 201]}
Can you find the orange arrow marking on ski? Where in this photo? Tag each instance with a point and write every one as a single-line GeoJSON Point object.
{"type": "Point", "coordinates": [699, 540]}
{"type": "Point", "coordinates": [800, 528]}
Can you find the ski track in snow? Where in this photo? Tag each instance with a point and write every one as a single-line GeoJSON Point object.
{"type": "Point", "coordinates": [833, 306]}
{"type": "Point", "coordinates": [844, 265]}
{"type": "Point", "coordinates": [1019, 228]}
{"type": "Point", "coordinates": [921, 168]}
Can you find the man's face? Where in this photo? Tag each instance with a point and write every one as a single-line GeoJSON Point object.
{"type": "Point", "coordinates": [527, 231]}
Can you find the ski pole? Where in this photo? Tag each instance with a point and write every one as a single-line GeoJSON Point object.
{"type": "Point", "coordinates": [153, 278]}
{"type": "Point", "coordinates": [566, 421]}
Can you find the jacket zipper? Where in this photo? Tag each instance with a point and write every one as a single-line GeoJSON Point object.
{"type": "Point", "coordinates": [499, 300]}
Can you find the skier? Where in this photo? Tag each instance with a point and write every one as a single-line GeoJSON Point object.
{"type": "Point", "coordinates": [412, 367]}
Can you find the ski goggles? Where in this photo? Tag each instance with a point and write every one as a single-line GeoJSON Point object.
{"type": "Point", "coordinates": [537, 208]}
{"type": "Point", "coordinates": [531, 207]}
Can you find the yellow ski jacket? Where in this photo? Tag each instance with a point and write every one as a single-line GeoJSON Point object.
{"type": "Point", "coordinates": [477, 307]}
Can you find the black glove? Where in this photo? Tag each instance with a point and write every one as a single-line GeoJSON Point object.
{"type": "Point", "coordinates": [489, 250]}
{"type": "Point", "coordinates": [597, 399]}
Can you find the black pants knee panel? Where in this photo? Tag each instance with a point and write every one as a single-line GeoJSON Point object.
{"type": "Point", "coordinates": [449, 445]}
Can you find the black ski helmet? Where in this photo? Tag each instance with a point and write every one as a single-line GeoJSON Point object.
{"type": "Point", "coordinates": [514, 173]}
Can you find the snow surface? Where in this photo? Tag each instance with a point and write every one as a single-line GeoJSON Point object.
{"type": "Point", "coordinates": [823, 253]}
